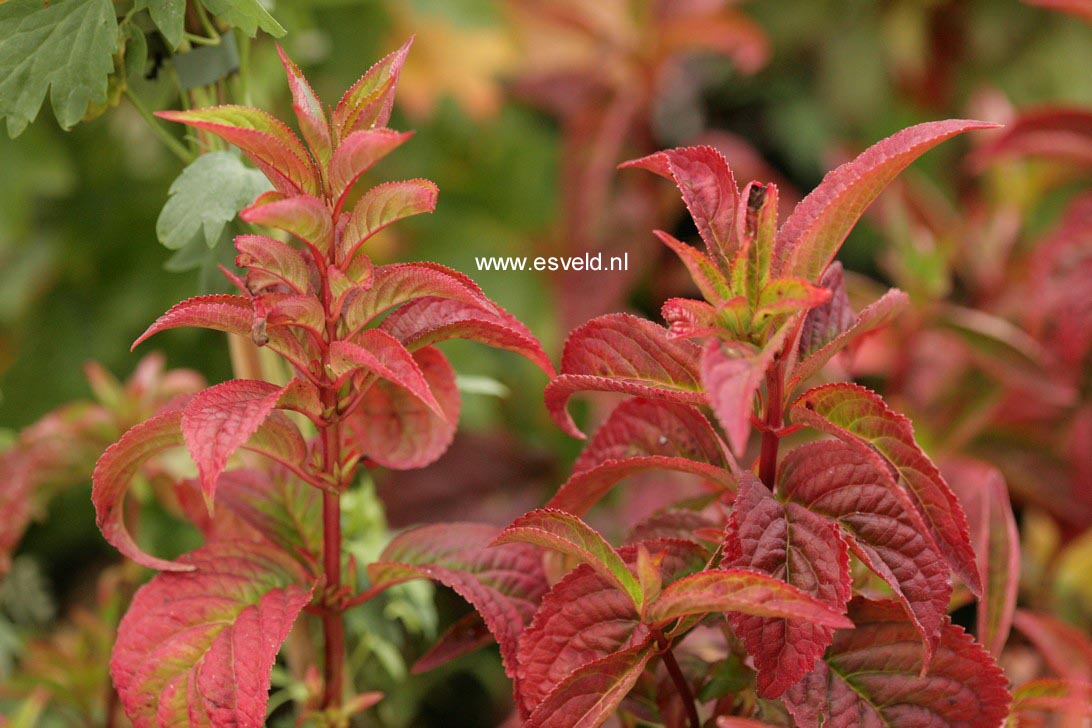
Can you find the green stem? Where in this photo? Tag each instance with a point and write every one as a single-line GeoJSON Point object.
{"type": "Point", "coordinates": [176, 147]}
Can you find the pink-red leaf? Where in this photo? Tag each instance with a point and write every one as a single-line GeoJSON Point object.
{"type": "Point", "coordinates": [504, 583]}
{"type": "Point", "coordinates": [588, 697]}
{"type": "Point", "coordinates": [567, 534]}
{"type": "Point", "coordinates": [116, 468]}
{"type": "Point", "coordinates": [743, 591]}
{"type": "Point", "coordinates": [872, 677]}
{"type": "Point", "coordinates": [583, 618]}
{"type": "Point", "coordinates": [824, 323]}
{"type": "Point", "coordinates": [304, 216]}
{"type": "Point", "coordinates": [369, 101]}
{"type": "Point", "coordinates": [466, 635]}
{"type": "Point", "coordinates": [197, 648]}
{"type": "Point", "coordinates": [309, 112]}
{"type": "Point", "coordinates": [268, 142]}
{"type": "Point", "coordinates": [732, 374]}
{"type": "Point", "coordinates": [430, 320]}
{"type": "Point", "coordinates": [394, 285]}
{"type": "Point", "coordinates": [1033, 702]}
{"type": "Point", "coordinates": [385, 205]}
{"type": "Point", "coordinates": [855, 414]}
{"type": "Point", "coordinates": [708, 189]}
{"type": "Point", "coordinates": [623, 353]}
{"type": "Point", "coordinates": [270, 262]}
{"type": "Point", "coordinates": [1057, 133]}
{"type": "Point", "coordinates": [877, 314]}
{"type": "Point", "coordinates": [220, 419]}
{"type": "Point", "coordinates": [852, 486]}
{"type": "Point", "coordinates": [801, 548]}
{"type": "Point", "coordinates": [356, 154]}
{"type": "Point", "coordinates": [981, 490]}
{"type": "Point", "coordinates": [820, 223]}
{"type": "Point", "coordinates": [379, 353]}
{"type": "Point", "coordinates": [396, 429]}
{"type": "Point", "coordinates": [1066, 649]}
{"type": "Point", "coordinates": [277, 505]}
{"type": "Point", "coordinates": [641, 435]}
{"type": "Point", "coordinates": [687, 318]}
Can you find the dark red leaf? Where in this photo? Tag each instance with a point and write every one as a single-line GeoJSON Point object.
{"type": "Point", "coordinates": [801, 548]}
{"type": "Point", "coordinates": [873, 676]}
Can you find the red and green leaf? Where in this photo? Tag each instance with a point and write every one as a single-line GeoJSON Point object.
{"type": "Point", "coordinates": [855, 414]}
{"type": "Point", "coordinates": [567, 534]}
{"type": "Point", "coordinates": [710, 281]}
{"type": "Point", "coordinates": [369, 101]}
{"type": "Point", "coordinates": [623, 353]}
{"type": "Point", "coordinates": [853, 487]}
{"type": "Point", "coordinates": [380, 354]}
{"type": "Point", "coordinates": [811, 236]}
{"type": "Point", "coordinates": [397, 284]}
{"type": "Point", "coordinates": [269, 262]}
{"type": "Point", "coordinates": [801, 548]}
{"type": "Point", "coordinates": [197, 648]}
{"type": "Point", "coordinates": [269, 143]}
{"type": "Point", "coordinates": [304, 216]}
{"type": "Point", "coordinates": [504, 583]}
{"type": "Point", "coordinates": [355, 155]}
{"type": "Point", "coordinates": [732, 374]}
{"type": "Point", "coordinates": [875, 675]}
{"type": "Point", "coordinates": [399, 431]}
{"type": "Point", "coordinates": [385, 205]}
{"type": "Point", "coordinates": [309, 111]}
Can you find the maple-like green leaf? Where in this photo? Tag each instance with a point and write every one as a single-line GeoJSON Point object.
{"type": "Point", "coordinates": [169, 17]}
{"type": "Point", "coordinates": [246, 15]}
{"type": "Point", "coordinates": [206, 197]}
{"type": "Point", "coordinates": [65, 47]}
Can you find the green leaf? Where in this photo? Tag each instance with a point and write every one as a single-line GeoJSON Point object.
{"type": "Point", "coordinates": [206, 197]}
{"type": "Point", "coordinates": [169, 17]}
{"type": "Point", "coordinates": [66, 47]}
{"type": "Point", "coordinates": [136, 52]}
{"type": "Point", "coordinates": [246, 15]}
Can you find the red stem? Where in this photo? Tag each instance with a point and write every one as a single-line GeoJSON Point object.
{"type": "Point", "coordinates": [678, 678]}
{"type": "Point", "coordinates": [771, 434]}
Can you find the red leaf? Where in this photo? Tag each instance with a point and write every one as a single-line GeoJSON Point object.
{"type": "Point", "coordinates": [504, 583]}
{"type": "Point", "coordinates": [1069, 700]}
{"type": "Point", "coordinates": [1066, 649]}
{"type": "Point", "coordinates": [877, 314]}
{"type": "Point", "coordinates": [824, 323]}
{"type": "Point", "coordinates": [290, 309]}
{"type": "Point", "coordinates": [855, 414]}
{"type": "Point", "coordinates": [368, 102]}
{"type": "Point", "coordinates": [850, 485]}
{"type": "Point", "coordinates": [277, 438]}
{"type": "Point", "coordinates": [687, 318]}
{"type": "Point", "coordinates": [268, 142]}
{"type": "Point", "coordinates": [270, 262]}
{"type": "Point", "coordinates": [219, 420]}
{"type": "Point", "coordinates": [379, 353]}
{"type": "Point", "coordinates": [732, 374]}
{"type": "Point", "coordinates": [430, 320]}
{"type": "Point", "coordinates": [588, 697]}
{"type": "Point", "coordinates": [567, 534]}
{"type": "Point", "coordinates": [623, 353]}
{"type": "Point", "coordinates": [708, 189]}
{"type": "Point", "coordinates": [872, 676]}
{"type": "Point", "coordinates": [582, 619]}
{"type": "Point", "coordinates": [641, 435]}
{"type": "Point", "coordinates": [304, 216]}
{"type": "Point", "coordinates": [394, 285]}
{"type": "Point", "coordinates": [1056, 133]}
{"type": "Point", "coordinates": [384, 205]}
{"type": "Point", "coordinates": [309, 111]}
{"type": "Point", "coordinates": [277, 505]}
{"type": "Point", "coordinates": [197, 648]}
{"type": "Point", "coordinates": [820, 223]}
{"type": "Point", "coordinates": [466, 635]}
{"type": "Point", "coordinates": [356, 154]}
{"type": "Point", "coordinates": [397, 430]}
{"type": "Point", "coordinates": [743, 591]}
{"type": "Point", "coordinates": [232, 315]}
{"type": "Point", "coordinates": [790, 543]}
{"type": "Point", "coordinates": [981, 490]}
